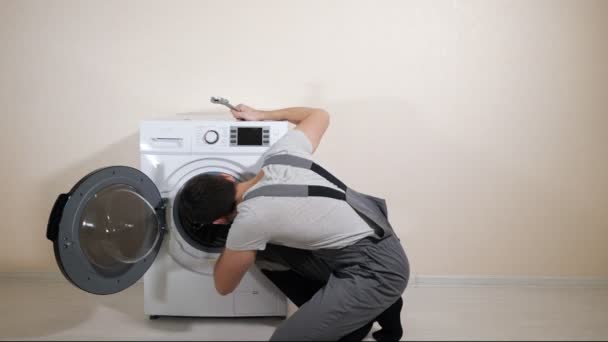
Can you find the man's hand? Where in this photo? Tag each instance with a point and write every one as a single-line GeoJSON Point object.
{"type": "Point", "coordinates": [230, 269]}
{"type": "Point", "coordinates": [247, 113]}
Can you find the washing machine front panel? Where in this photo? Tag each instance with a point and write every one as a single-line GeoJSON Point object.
{"type": "Point", "coordinates": [175, 151]}
{"type": "Point", "coordinates": [108, 229]}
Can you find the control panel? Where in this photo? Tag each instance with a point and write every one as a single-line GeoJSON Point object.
{"type": "Point", "coordinates": [194, 136]}
{"type": "Point", "coordinates": [246, 135]}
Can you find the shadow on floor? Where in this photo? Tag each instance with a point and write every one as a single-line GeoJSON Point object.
{"type": "Point", "coordinates": [63, 310]}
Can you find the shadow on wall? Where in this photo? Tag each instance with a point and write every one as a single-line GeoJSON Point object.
{"type": "Point", "coordinates": [122, 152]}
{"type": "Point", "coordinates": [379, 145]}
{"type": "Point", "coordinates": [78, 307]}
{"type": "Point", "coordinates": [451, 177]}
{"type": "Point", "coordinates": [442, 182]}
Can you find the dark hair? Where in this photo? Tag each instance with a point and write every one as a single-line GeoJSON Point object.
{"type": "Point", "coordinates": [205, 198]}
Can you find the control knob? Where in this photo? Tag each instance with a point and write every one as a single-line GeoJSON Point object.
{"type": "Point", "coordinates": [211, 137]}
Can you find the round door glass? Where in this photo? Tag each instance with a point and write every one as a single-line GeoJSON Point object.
{"type": "Point", "coordinates": [118, 228]}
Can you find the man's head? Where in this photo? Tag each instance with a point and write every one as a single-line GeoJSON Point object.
{"type": "Point", "coordinates": [207, 198]}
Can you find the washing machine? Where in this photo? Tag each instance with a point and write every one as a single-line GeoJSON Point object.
{"type": "Point", "coordinates": [119, 224]}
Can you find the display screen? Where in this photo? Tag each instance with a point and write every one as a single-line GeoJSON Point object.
{"type": "Point", "coordinates": [249, 136]}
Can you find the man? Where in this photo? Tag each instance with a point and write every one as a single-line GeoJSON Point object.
{"type": "Point", "coordinates": [337, 259]}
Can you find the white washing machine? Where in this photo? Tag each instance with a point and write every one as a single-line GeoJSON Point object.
{"type": "Point", "coordinates": [117, 224]}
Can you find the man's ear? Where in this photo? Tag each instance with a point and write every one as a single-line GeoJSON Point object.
{"type": "Point", "coordinates": [228, 177]}
{"type": "Point", "coordinates": [221, 220]}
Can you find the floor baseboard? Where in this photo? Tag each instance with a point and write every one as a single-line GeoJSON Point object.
{"type": "Point", "coordinates": [48, 276]}
{"type": "Point", "coordinates": [465, 281]}
{"type": "Point", "coordinates": [420, 280]}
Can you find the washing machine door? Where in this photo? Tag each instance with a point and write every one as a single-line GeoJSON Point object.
{"type": "Point", "coordinates": [108, 229]}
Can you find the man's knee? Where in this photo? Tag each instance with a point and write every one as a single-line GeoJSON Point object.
{"type": "Point", "coordinates": [281, 334]}
{"type": "Point", "coordinates": [307, 325]}
{"type": "Point", "coordinates": [289, 332]}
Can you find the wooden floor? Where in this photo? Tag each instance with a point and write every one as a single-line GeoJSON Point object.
{"type": "Point", "coordinates": [33, 308]}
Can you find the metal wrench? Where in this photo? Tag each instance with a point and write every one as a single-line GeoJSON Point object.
{"type": "Point", "coordinates": [222, 101]}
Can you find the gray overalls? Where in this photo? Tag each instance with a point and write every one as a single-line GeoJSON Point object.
{"type": "Point", "coordinates": [357, 283]}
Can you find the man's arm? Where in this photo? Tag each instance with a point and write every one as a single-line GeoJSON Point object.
{"type": "Point", "coordinates": [230, 269]}
{"type": "Point", "coordinates": [313, 122]}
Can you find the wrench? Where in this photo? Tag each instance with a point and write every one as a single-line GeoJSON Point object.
{"type": "Point", "coordinates": [222, 101]}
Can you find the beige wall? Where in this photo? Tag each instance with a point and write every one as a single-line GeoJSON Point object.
{"type": "Point", "coordinates": [484, 123]}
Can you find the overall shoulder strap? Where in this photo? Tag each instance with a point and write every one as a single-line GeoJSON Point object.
{"type": "Point", "coordinates": [361, 203]}
{"type": "Point", "coordinates": [295, 190]}
{"type": "Point", "coordinates": [291, 160]}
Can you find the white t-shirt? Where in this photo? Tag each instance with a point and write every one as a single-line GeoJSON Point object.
{"type": "Point", "coordinates": [298, 222]}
